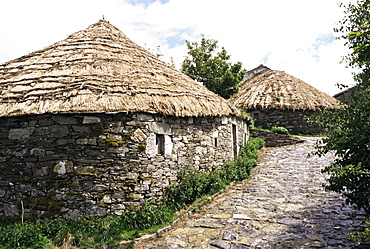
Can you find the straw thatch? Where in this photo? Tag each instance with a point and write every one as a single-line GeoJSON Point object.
{"type": "Point", "coordinates": [278, 90]}
{"type": "Point", "coordinates": [99, 69]}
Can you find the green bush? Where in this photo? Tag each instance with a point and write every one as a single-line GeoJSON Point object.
{"type": "Point", "coordinates": [364, 236]}
{"type": "Point", "coordinates": [280, 130]}
{"type": "Point", "coordinates": [26, 235]}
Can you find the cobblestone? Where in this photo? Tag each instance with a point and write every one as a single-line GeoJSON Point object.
{"type": "Point", "coordinates": [282, 206]}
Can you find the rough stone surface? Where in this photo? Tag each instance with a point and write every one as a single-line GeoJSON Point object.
{"type": "Point", "coordinates": [274, 139]}
{"type": "Point", "coordinates": [99, 163]}
{"type": "Point", "coordinates": [294, 121]}
{"type": "Point", "coordinates": [282, 206]}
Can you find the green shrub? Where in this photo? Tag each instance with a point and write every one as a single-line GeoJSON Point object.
{"type": "Point", "coordinates": [26, 235]}
{"type": "Point", "coordinates": [364, 236]}
{"type": "Point", "coordinates": [280, 130]}
{"type": "Point", "coordinates": [146, 217]}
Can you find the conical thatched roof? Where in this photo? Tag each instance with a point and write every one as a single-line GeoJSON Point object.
{"type": "Point", "coordinates": [99, 69]}
{"type": "Point", "coordinates": [278, 90]}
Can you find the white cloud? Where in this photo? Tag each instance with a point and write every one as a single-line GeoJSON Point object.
{"type": "Point", "coordinates": [287, 35]}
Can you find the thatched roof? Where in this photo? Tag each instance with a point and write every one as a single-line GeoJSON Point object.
{"type": "Point", "coordinates": [99, 69]}
{"type": "Point", "coordinates": [278, 90]}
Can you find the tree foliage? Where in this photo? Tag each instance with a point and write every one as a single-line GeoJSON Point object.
{"type": "Point", "coordinates": [348, 129]}
{"type": "Point", "coordinates": [204, 64]}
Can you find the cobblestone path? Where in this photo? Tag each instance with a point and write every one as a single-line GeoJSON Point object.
{"type": "Point", "coordinates": [282, 206]}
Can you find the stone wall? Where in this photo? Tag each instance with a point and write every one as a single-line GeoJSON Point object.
{"type": "Point", "coordinates": [94, 164]}
{"type": "Point", "coordinates": [274, 139]}
{"type": "Point", "coordinates": [294, 121]}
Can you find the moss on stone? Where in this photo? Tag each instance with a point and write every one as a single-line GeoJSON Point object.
{"type": "Point", "coordinates": [113, 142]}
{"type": "Point", "coordinates": [142, 147]}
{"type": "Point", "coordinates": [145, 178]}
{"type": "Point", "coordinates": [129, 183]}
{"type": "Point", "coordinates": [127, 135]}
{"type": "Point", "coordinates": [87, 174]}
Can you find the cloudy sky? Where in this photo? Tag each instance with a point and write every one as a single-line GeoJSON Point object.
{"type": "Point", "coordinates": [289, 35]}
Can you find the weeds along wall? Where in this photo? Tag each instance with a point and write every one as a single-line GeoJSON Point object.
{"type": "Point", "coordinates": [95, 164]}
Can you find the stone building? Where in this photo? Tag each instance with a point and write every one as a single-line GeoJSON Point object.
{"type": "Point", "coordinates": [346, 96]}
{"type": "Point", "coordinates": [94, 124]}
{"type": "Point", "coordinates": [275, 98]}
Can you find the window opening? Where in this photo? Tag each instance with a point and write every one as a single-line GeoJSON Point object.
{"type": "Point", "coordinates": [245, 138]}
{"type": "Point", "coordinates": [160, 144]}
{"type": "Point", "coordinates": [235, 148]}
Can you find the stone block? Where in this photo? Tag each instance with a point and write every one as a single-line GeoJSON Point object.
{"type": "Point", "coordinates": [45, 122]}
{"type": "Point", "coordinates": [37, 152]}
{"type": "Point", "coordinates": [119, 209]}
{"type": "Point", "coordinates": [179, 132]}
{"type": "Point", "coordinates": [199, 150]}
{"type": "Point", "coordinates": [141, 188]}
{"type": "Point", "coordinates": [84, 170]}
{"type": "Point", "coordinates": [40, 172]}
{"type": "Point", "coordinates": [81, 129]}
{"type": "Point", "coordinates": [107, 199]}
{"type": "Point", "coordinates": [10, 210]}
{"type": "Point", "coordinates": [63, 120]}
{"type": "Point", "coordinates": [144, 117]}
{"type": "Point", "coordinates": [91, 120]}
{"type": "Point", "coordinates": [100, 187]}
{"type": "Point", "coordinates": [131, 175]}
{"type": "Point", "coordinates": [74, 213]}
{"type": "Point", "coordinates": [21, 133]}
{"type": "Point", "coordinates": [98, 154]}
{"type": "Point", "coordinates": [51, 132]}
{"type": "Point", "coordinates": [61, 168]}
{"type": "Point", "coordinates": [91, 141]}
{"type": "Point", "coordinates": [65, 141]}
{"type": "Point", "coordinates": [20, 153]}
{"type": "Point", "coordinates": [138, 136]}
{"type": "Point", "coordinates": [160, 128]}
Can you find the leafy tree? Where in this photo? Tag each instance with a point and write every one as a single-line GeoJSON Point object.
{"type": "Point", "coordinates": [204, 64]}
{"type": "Point", "coordinates": [348, 129]}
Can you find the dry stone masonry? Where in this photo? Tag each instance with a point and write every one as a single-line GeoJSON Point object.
{"type": "Point", "coordinates": [294, 121]}
{"type": "Point", "coordinates": [275, 139]}
{"type": "Point", "coordinates": [95, 164]}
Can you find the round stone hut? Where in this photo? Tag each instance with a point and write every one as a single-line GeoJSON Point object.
{"type": "Point", "coordinates": [275, 98]}
{"type": "Point", "coordinates": [94, 124]}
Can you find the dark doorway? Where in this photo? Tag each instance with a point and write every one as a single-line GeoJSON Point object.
{"type": "Point", "coordinates": [235, 146]}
